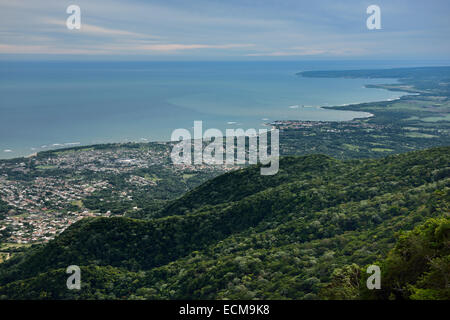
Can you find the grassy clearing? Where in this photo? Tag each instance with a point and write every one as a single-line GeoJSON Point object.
{"type": "Point", "coordinates": [46, 167]}
{"type": "Point", "coordinates": [420, 135]}
{"type": "Point", "coordinates": [350, 147]}
{"type": "Point", "coordinates": [152, 178]}
{"type": "Point", "coordinates": [436, 119]}
{"type": "Point", "coordinates": [72, 151]}
{"type": "Point", "coordinates": [78, 203]}
{"type": "Point", "coordinates": [381, 150]}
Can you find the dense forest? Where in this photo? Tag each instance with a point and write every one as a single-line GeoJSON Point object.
{"type": "Point", "coordinates": [308, 232]}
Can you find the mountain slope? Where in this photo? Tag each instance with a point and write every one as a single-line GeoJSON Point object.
{"type": "Point", "coordinates": [243, 235]}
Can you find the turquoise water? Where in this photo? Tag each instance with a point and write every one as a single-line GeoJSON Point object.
{"type": "Point", "coordinates": [47, 105]}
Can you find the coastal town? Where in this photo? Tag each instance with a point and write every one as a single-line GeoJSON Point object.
{"type": "Point", "coordinates": [45, 193]}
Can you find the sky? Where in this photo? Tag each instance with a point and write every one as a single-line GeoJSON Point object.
{"type": "Point", "coordinates": [224, 30]}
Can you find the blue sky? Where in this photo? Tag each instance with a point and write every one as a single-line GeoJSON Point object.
{"type": "Point", "coordinates": [224, 30]}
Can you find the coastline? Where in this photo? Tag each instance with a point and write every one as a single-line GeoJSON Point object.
{"type": "Point", "coordinates": [346, 106]}
{"type": "Point", "coordinates": [78, 146]}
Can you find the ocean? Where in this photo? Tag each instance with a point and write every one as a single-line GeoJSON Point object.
{"type": "Point", "coordinates": [49, 105]}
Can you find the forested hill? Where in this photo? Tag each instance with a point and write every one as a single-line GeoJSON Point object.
{"type": "Point", "coordinates": [402, 73]}
{"type": "Point", "coordinates": [243, 235]}
{"type": "Point", "coordinates": [427, 80]}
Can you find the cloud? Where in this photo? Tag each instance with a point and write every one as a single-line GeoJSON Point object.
{"type": "Point", "coordinates": [226, 29]}
{"type": "Point", "coordinates": [97, 40]}
{"type": "Point", "coordinates": [309, 51]}
{"type": "Point", "coordinates": [129, 48]}
{"type": "Point", "coordinates": [286, 53]}
{"type": "Point", "coordinates": [44, 49]}
{"type": "Point", "coordinates": [90, 29]}
{"type": "Point", "coordinates": [177, 47]}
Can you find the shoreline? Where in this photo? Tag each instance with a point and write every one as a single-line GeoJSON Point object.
{"type": "Point", "coordinates": [67, 147]}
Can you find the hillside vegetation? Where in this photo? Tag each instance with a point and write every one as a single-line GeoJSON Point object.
{"type": "Point", "coordinates": [299, 234]}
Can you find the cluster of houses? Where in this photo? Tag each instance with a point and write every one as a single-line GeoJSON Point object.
{"type": "Point", "coordinates": [45, 192]}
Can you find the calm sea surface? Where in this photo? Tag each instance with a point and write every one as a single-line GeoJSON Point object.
{"type": "Point", "coordinates": [46, 105]}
